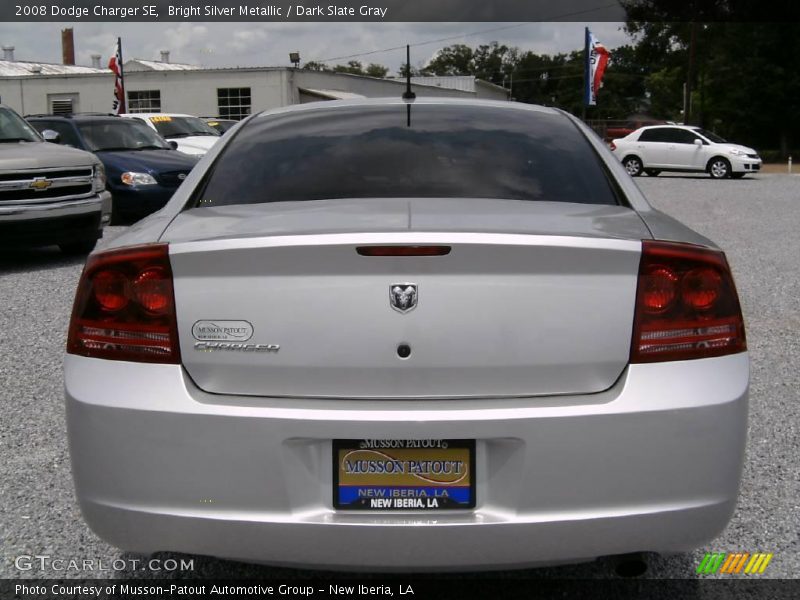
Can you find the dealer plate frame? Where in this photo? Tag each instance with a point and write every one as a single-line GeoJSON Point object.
{"type": "Point", "coordinates": [355, 444]}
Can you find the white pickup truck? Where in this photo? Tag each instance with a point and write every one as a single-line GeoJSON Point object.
{"type": "Point", "coordinates": [49, 194]}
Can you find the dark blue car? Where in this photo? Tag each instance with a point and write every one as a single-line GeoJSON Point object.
{"type": "Point", "coordinates": [142, 169]}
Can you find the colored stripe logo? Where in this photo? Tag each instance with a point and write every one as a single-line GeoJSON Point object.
{"type": "Point", "coordinates": [734, 563]}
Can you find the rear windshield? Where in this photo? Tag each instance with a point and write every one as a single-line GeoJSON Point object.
{"type": "Point", "coordinates": [400, 151]}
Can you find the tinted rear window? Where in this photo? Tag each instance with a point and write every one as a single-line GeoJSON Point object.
{"type": "Point", "coordinates": [373, 152]}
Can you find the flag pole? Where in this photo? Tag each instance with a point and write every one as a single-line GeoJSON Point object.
{"type": "Point", "coordinates": [585, 73]}
{"type": "Point", "coordinates": [122, 104]}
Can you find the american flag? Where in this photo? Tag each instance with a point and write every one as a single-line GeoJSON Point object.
{"type": "Point", "coordinates": [115, 64]}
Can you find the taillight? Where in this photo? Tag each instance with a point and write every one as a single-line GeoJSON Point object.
{"type": "Point", "coordinates": [686, 305]}
{"type": "Point", "coordinates": [125, 307]}
{"type": "Point", "coordinates": [612, 146]}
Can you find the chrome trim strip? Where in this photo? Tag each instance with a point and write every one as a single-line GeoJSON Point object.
{"type": "Point", "coordinates": [51, 210]}
{"type": "Point", "coordinates": [55, 182]}
{"type": "Point", "coordinates": [51, 200]}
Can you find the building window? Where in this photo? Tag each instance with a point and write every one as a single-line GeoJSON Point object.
{"type": "Point", "coordinates": [233, 103]}
{"type": "Point", "coordinates": [144, 101]}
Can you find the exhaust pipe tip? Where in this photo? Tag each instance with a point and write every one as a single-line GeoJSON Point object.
{"type": "Point", "coordinates": [630, 565]}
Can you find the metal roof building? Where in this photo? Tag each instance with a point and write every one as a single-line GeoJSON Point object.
{"type": "Point", "coordinates": [163, 86]}
{"type": "Point", "coordinates": [464, 83]}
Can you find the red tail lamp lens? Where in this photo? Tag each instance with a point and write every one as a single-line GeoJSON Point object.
{"type": "Point", "coordinates": [125, 307]}
{"type": "Point", "coordinates": [686, 305]}
{"type": "Point", "coordinates": [660, 289]}
{"type": "Point", "coordinates": [701, 288]}
{"type": "Point", "coordinates": [153, 290]}
{"type": "Point", "coordinates": [111, 290]}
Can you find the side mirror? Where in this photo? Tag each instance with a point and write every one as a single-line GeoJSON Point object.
{"type": "Point", "coordinates": [698, 142]}
{"type": "Point", "coordinates": [173, 144]}
{"type": "Point", "coordinates": [51, 136]}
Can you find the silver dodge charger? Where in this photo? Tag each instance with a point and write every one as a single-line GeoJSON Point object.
{"type": "Point", "coordinates": [403, 334]}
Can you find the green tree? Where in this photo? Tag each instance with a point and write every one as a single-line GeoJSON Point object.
{"type": "Point", "coordinates": [315, 66]}
{"type": "Point", "coordinates": [452, 60]}
{"type": "Point", "coordinates": [743, 75]}
{"type": "Point", "coordinates": [354, 67]}
{"type": "Point", "coordinates": [376, 70]}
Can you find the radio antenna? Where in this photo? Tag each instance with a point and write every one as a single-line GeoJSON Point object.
{"type": "Point", "coordinates": [408, 94]}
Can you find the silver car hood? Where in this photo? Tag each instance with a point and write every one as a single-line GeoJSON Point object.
{"type": "Point", "coordinates": [42, 155]}
{"type": "Point", "coordinates": [398, 214]}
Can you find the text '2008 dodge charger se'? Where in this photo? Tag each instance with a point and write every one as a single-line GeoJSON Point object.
{"type": "Point", "coordinates": [435, 334]}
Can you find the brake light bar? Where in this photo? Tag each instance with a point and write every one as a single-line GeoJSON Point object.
{"type": "Point", "coordinates": [125, 307]}
{"type": "Point", "coordinates": [686, 305]}
{"type": "Point", "coordinates": [403, 250]}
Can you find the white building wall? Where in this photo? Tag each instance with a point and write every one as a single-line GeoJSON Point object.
{"type": "Point", "coordinates": [195, 91]}
{"type": "Point", "coordinates": [28, 95]}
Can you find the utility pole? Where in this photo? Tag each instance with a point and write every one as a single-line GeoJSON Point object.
{"type": "Point", "coordinates": [687, 99]}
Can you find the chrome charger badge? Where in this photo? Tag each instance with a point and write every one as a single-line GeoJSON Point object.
{"type": "Point", "coordinates": [217, 335]}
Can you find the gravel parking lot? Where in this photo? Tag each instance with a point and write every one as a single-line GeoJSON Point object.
{"type": "Point", "coordinates": [756, 220]}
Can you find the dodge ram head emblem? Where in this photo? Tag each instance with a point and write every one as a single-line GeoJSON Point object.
{"type": "Point", "coordinates": [403, 296]}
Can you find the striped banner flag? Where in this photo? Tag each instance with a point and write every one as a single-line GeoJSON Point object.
{"type": "Point", "coordinates": [596, 60]}
{"type": "Point", "coordinates": [115, 64]}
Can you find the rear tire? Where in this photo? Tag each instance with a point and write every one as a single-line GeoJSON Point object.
{"type": "Point", "coordinates": [79, 248]}
{"type": "Point", "coordinates": [652, 172]}
{"type": "Point", "coordinates": [633, 166]}
{"type": "Point", "coordinates": [719, 168]}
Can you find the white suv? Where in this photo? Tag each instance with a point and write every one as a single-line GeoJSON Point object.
{"type": "Point", "coordinates": [681, 148]}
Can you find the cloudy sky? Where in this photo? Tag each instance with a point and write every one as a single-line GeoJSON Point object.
{"type": "Point", "coordinates": [269, 44]}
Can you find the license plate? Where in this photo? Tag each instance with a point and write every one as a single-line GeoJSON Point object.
{"type": "Point", "coordinates": [424, 475]}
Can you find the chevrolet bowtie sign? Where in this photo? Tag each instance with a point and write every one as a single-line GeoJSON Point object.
{"type": "Point", "coordinates": [40, 183]}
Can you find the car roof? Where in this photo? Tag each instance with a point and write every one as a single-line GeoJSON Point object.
{"type": "Point", "coordinates": [75, 117]}
{"type": "Point", "coordinates": [662, 125]}
{"type": "Point", "coordinates": [153, 114]}
{"type": "Point", "coordinates": [398, 101]}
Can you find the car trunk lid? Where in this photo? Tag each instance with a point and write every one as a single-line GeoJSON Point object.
{"type": "Point", "coordinates": [531, 298]}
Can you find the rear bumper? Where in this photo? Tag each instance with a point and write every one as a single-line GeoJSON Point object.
{"type": "Point", "coordinates": [652, 464]}
{"type": "Point", "coordinates": [56, 222]}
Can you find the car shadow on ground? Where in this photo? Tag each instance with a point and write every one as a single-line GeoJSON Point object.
{"type": "Point", "coordinates": [17, 260]}
{"type": "Point", "coordinates": [697, 176]}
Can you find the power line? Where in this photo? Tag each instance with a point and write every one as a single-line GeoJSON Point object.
{"type": "Point", "coordinates": [426, 43]}
{"type": "Point", "coordinates": [463, 35]}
